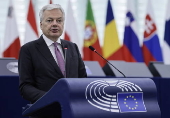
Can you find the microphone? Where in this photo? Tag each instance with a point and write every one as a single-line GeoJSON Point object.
{"type": "Point", "coordinates": [93, 49]}
{"type": "Point", "coordinates": [65, 53]}
{"type": "Point", "coordinates": [65, 50]}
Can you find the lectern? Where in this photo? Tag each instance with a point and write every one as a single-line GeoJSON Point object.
{"type": "Point", "coordinates": [9, 67]}
{"type": "Point", "coordinates": [11, 101]}
{"type": "Point", "coordinates": [99, 98]}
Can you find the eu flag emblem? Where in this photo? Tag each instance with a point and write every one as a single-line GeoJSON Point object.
{"type": "Point", "coordinates": [131, 102]}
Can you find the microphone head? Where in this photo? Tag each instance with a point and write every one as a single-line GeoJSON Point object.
{"type": "Point", "coordinates": [65, 47]}
{"type": "Point", "coordinates": [91, 48]}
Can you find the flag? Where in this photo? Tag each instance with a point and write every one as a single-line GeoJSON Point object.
{"type": "Point", "coordinates": [131, 102]}
{"type": "Point", "coordinates": [70, 34]}
{"type": "Point", "coordinates": [151, 46]}
{"type": "Point", "coordinates": [70, 23]}
{"type": "Point", "coordinates": [166, 43]}
{"type": "Point", "coordinates": [131, 49]}
{"type": "Point", "coordinates": [91, 38]}
{"type": "Point", "coordinates": [111, 47]}
{"type": "Point", "coordinates": [31, 32]}
{"type": "Point", "coordinates": [11, 38]}
{"type": "Point", "coordinates": [51, 2]}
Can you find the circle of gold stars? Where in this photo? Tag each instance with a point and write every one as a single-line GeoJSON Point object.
{"type": "Point", "coordinates": [135, 100]}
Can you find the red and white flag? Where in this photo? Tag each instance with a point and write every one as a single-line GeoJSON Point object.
{"type": "Point", "coordinates": [71, 32]}
{"type": "Point", "coordinates": [11, 38]}
{"type": "Point", "coordinates": [31, 32]}
{"type": "Point", "coordinates": [151, 47]}
{"type": "Point", "coordinates": [51, 2]}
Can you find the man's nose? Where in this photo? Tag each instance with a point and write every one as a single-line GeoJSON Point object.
{"type": "Point", "coordinates": [54, 23]}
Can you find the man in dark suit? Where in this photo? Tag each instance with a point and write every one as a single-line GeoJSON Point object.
{"type": "Point", "coordinates": [39, 68]}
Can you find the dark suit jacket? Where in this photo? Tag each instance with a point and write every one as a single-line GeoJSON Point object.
{"type": "Point", "coordinates": [38, 71]}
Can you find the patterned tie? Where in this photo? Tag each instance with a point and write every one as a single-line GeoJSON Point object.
{"type": "Point", "coordinates": [60, 59]}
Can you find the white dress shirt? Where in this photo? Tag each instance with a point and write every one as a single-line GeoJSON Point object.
{"type": "Point", "coordinates": [51, 47]}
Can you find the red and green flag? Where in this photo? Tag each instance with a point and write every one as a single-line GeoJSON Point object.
{"type": "Point", "coordinates": [91, 37]}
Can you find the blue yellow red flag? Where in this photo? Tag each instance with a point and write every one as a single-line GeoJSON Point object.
{"type": "Point", "coordinates": [111, 46]}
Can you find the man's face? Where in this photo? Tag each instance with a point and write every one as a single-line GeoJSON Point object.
{"type": "Point", "coordinates": [52, 24]}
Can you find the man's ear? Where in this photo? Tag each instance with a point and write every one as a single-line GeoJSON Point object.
{"type": "Point", "coordinates": [40, 25]}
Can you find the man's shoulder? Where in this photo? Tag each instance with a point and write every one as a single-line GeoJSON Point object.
{"type": "Point", "coordinates": [31, 43]}
{"type": "Point", "coordinates": [67, 42]}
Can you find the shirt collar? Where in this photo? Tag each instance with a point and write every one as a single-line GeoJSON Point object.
{"type": "Point", "coordinates": [50, 42]}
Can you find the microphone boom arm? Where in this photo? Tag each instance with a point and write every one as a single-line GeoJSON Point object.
{"type": "Point", "coordinates": [109, 63]}
{"type": "Point", "coordinates": [93, 49]}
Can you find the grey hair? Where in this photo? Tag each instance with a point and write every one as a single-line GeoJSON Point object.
{"type": "Point", "coordinates": [50, 7]}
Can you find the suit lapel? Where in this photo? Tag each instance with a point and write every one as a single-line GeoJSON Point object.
{"type": "Point", "coordinates": [44, 50]}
